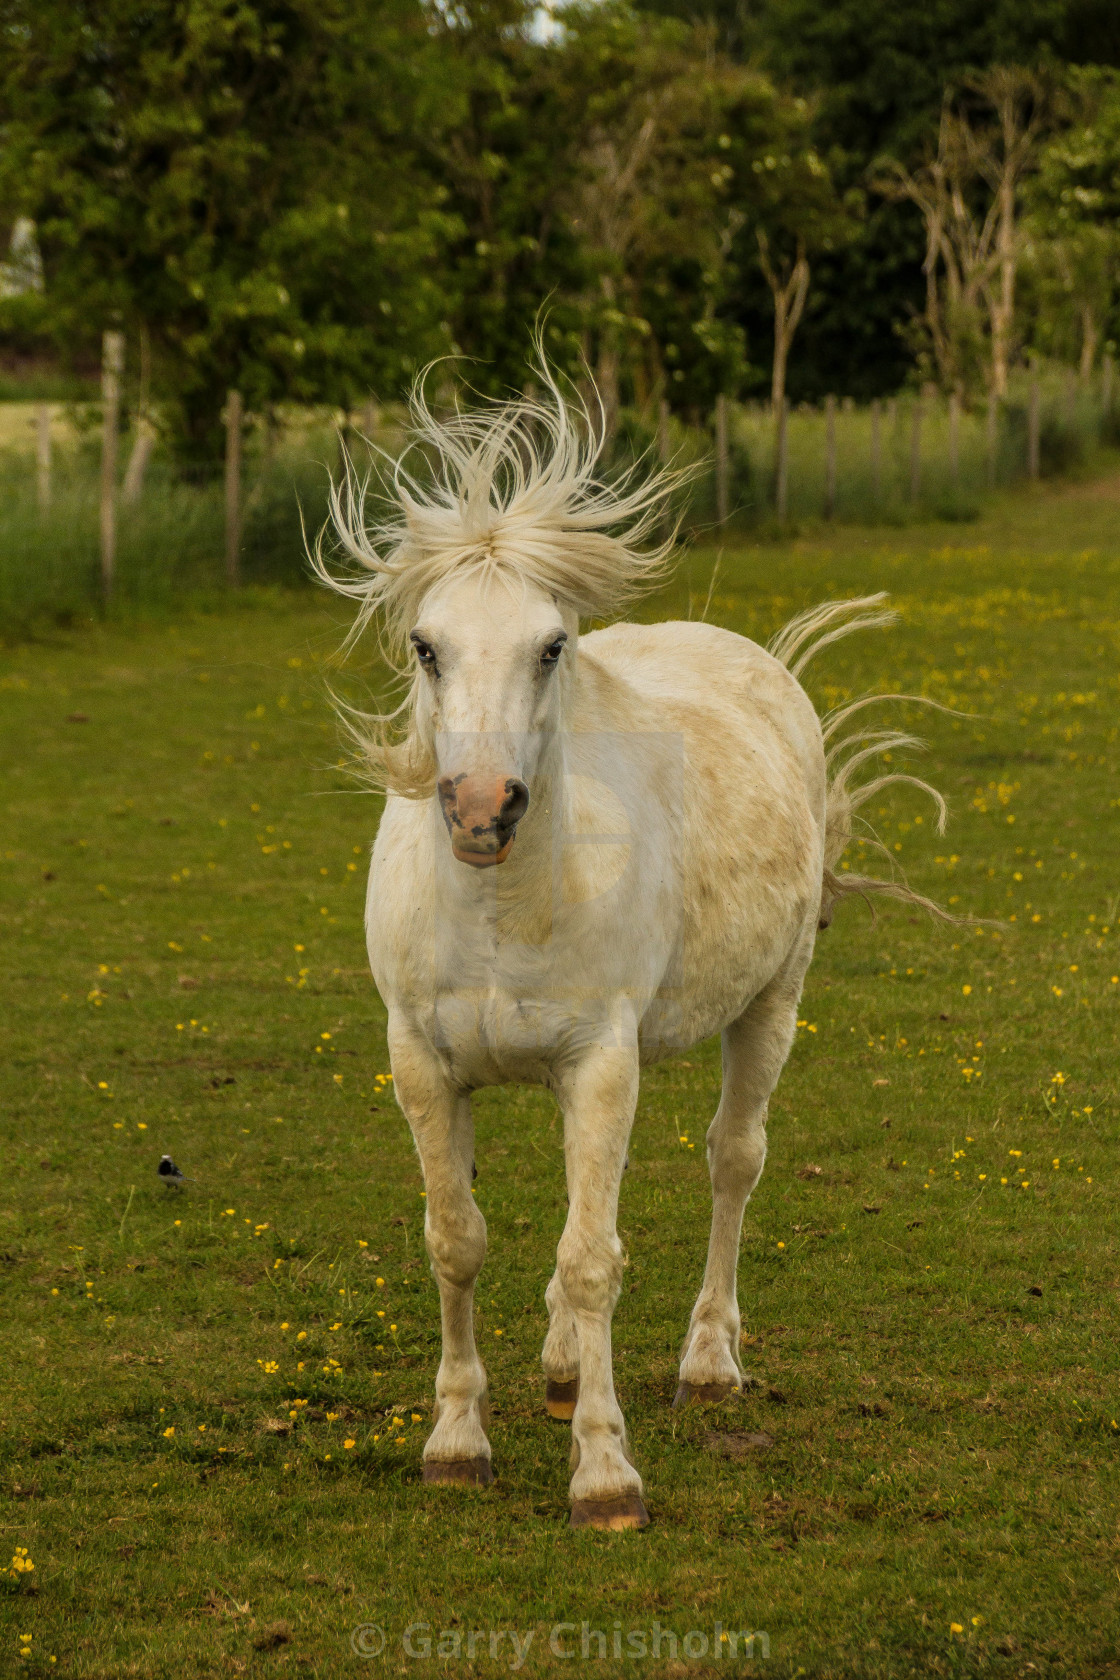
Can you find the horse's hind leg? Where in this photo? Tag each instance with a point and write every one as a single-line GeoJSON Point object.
{"type": "Point", "coordinates": [560, 1354]}
{"type": "Point", "coordinates": [755, 1048]}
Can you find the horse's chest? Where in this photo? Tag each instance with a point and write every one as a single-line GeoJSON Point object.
{"type": "Point", "coordinates": [493, 1035]}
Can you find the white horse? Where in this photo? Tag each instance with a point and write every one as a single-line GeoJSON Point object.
{"type": "Point", "coordinates": [595, 850]}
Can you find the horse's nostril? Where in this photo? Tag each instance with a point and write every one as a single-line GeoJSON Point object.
{"type": "Point", "coordinates": [514, 805]}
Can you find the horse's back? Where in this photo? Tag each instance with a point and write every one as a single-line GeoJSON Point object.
{"type": "Point", "coordinates": [720, 688]}
{"type": "Point", "coordinates": [754, 792]}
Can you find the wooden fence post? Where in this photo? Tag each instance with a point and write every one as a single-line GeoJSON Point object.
{"type": "Point", "coordinates": [43, 455]}
{"type": "Point", "coordinates": [1033, 423]}
{"type": "Point", "coordinates": [781, 459]}
{"type": "Point", "coordinates": [916, 448]}
{"type": "Point", "coordinates": [991, 438]}
{"type": "Point", "coordinates": [144, 439]}
{"type": "Point", "coordinates": [829, 456]}
{"type": "Point", "coordinates": [955, 438]}
{"type": "Point", "coordinates": [664, 440]}
{"type": "Point", "coordinates": [723, 486]}
{"type": "Point", "coordinates": [112, 366]}
{"type": "Point", "coordinates": [233, 419]}
{"type": "Point", "coordinates": [142, 448]}
{"type": "Point", "coordinates": [876, 450]}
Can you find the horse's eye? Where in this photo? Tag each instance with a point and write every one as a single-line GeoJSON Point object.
{"type": "Point", "coordinates": [426, 655]}
{"type": "Point", "coordinates": [551, 654]}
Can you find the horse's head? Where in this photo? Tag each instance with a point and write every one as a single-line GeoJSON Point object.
{"type": "Point", "coordinates": [485, 562]}
{"type": "Point", "coordinates": [496, 654]}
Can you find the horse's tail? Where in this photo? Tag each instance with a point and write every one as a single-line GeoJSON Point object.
{"type": "Point", "coordinates": [795, 645]}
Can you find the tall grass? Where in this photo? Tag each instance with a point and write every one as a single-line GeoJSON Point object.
{"type": "Point", "coordinates": [1075, 423]}
{"type": "Point", "coordinates": [858, 498]}
{"type": "Point", "coordinates": [172, 541]}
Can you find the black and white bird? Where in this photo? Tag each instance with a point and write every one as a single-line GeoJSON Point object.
{"type": "Point", "coordinates": [170, 1173]}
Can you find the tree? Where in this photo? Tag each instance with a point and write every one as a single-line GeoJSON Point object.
{"type": "Point", "coordinates": [875, 75]}
{"type": "Point", "coordinates": [969, 195]}
{"type": "Point", "coordinates": [239, 181]}
{"type": "Point", "coordinates": [1002, 153]}
{"type": "Point", "coordinates": [686, 155]}
{"type": "Point", "coordinates": [956, 248]}
{"type": "Point", "coordinates": [503, 157]}
{"type": "Point", "coordinates": [797, 213]}
{"type": "Point", "coordinates": [1072, 213]}
{"type": "Point", "coordinates": [790, 287]}
{"type": "Point", "coordinates": [603, 175]}
{"type": "Point", "coordinates": [655, 109]}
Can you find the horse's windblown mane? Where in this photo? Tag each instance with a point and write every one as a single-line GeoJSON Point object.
{"type": "Point", "coordinates": [512, 489]}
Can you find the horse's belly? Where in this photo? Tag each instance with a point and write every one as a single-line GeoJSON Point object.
{"type": "Point", "coordinates": [717, 981]}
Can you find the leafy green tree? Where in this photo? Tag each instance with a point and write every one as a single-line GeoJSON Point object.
{"type": "Point", "coordinates": [876, 74]}
{"type": "Point", "coordinates": [655, 110]}
{"type": "Point", "coordinates": [605, 175]}
{"type": "Point", "coordinates": [502, 155]}
{"type": "Point", "coordinates": [798, 214]}
{"type": "Point", "coordinates": [1072, 224]}
{"type": "Point", "coordinates": [240, 181]}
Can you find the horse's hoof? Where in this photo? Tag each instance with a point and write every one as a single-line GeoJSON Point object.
{"type": "Point", "coordinates": [458, 1472]}
{"type": "Point", "coordinates": [703, 1394]}
{"type": "Point", "coordinates": [560, 1399]}
{"type": "Point", "coordinates": [626, 1511]}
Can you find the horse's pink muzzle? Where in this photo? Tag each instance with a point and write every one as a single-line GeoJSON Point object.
{"type": "Point", "coordinates": [482, 814]}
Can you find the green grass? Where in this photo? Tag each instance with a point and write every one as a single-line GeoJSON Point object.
{"type": "Point", "coordinates": [171, 543]}
{"type": "Point", "coordinates": [181, 896]}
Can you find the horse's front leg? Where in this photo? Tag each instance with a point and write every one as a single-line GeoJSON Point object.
{"type": "Point", "coordinates": [455, 1232]}
{"type": "Point", "coordinates": [598, 1095]}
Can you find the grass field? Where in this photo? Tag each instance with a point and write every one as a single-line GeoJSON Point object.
{"type": "Point", "coordinates": [215, 1400]}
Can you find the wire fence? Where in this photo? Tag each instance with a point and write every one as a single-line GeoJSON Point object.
{"type": "Point", "coordinates": [919, 455]}
{"type": "Point", "coordinates": [92, 511]}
